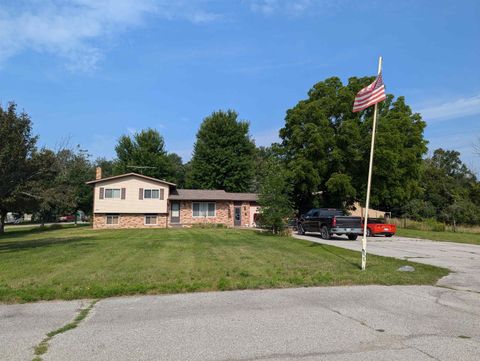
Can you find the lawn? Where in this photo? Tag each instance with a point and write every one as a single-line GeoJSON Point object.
{"type": "Point", "coordinates": [71, 263]}
{"type": "Point", "coordinates": [471, 238]}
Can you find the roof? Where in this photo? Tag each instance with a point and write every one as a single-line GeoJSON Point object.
{"type": "Point", "coordinates": [130, 175]}
{"type": "Point", "coordinates": [210, 195]}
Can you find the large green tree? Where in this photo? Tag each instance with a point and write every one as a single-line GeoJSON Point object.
{"type": "Point", "coordinates": [326, 148]}
{"type": "Point", "coordinates": [451, 192]}
{"type": "Point", "coordinates": [17, 144]}
{"type": "Point", "coordinates": [223, 155]}
{"type": "Point", "coordinates": [145, 153]}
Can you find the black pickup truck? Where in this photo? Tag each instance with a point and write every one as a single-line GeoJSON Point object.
{"type": "Point", "coordinates": [329, 222]}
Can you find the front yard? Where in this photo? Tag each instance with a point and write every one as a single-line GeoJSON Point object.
{"type": "Point", "coordinates": [459, 237]}
{"type": "Point", "coordinates": [72, 263]}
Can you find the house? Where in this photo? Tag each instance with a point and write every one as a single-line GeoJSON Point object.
{"type": "Point", "coordinates": [136, 201]}
{"type": "Point", "coordinates": [359, 211]}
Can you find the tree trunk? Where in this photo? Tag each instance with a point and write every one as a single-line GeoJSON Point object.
{"type": "Point", "coordinates": [2, 222]}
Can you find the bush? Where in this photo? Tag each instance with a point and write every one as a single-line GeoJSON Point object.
{"type": "Point", "coordinates": [208, 225]}
{"type": "Point", "coordinates": [429, 224]}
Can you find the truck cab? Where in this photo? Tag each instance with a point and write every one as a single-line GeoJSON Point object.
{"type": "Point", "coordinates": [329, 222]}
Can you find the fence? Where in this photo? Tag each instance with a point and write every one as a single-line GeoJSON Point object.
{"type": "Point", "coordinates": [432, 225]}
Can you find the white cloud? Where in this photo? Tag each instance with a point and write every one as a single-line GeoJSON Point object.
{"type": "Point", "coordinates": [72, 29]}
{"type": "Point", "coordinates": [269, 7]}
{"type": "Point", "coordinates": [452, 109]}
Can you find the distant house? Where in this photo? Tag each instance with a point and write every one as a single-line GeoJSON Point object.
{"type": "Point", "coordinates": [136, 201]}
{"type": "Point", "coordinates": [359, 211]}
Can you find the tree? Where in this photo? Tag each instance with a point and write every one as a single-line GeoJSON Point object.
{"type": "Point", "coordinates": [223, 154]}
{"type": "Point", "coordinates": [178, 169]}
{"type": "Point", "coordinates": [326, 148]}
{"type": "Point", "coordinates": [74, 170]}
{"type": "Point", "coordinates": [262, 156]}
{"type": "Point", "coordinates": [144, 153]}
{"type": "Point", "coordinates": [48, 193]}
{"type": "Point", "coordinates": [16, 147]}
{"type": "Point", "coordinates": [450, 188]}
{"type": "Point", "coordinates": [106, 165]}
{"type": "Point", "coordinates": [340, 190]}
{"type": "Point", "coordinates": [274, 198]}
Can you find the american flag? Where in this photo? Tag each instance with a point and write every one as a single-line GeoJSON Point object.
{"type": "Point", "coordinates": [372, 94]}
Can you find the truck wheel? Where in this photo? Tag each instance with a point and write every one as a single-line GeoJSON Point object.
{"type": "Point", "coordinates": [389, 235]}
{"type": "Point", "coordinates": [352, 237]}
{"type": "Point", "coordinates": [300, 230]}
{"type": "Point", "coordinates": [369, 232]}
{"type": "Point", "coordinates": [325, 232]}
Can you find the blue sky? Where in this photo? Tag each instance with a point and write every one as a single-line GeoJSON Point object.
{"type": "Point", "coordinates": [88, 71]}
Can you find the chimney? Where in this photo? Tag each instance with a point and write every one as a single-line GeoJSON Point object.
{"type": "Point", "coordinates": [98, 173]}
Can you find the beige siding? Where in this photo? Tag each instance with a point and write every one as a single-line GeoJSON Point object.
{"type": "Point", "coordinates": [359, 211]}
{"type": "Point", "coordinates": [131, 203]}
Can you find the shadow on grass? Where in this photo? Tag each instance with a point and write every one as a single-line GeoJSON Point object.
{"type": "Point", "coordinates": [6, 247]}
{"type": "Point", "coordinates": [329, 250]}
{"type": "Point", "coordinates": [24, 231]}
{"type": "Point", "coordinates": [332, 238]}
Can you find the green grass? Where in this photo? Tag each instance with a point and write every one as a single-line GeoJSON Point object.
{"type": "Point", "coordinates": [471, 238]}
{"type": "Point", "coordinates": [72, 263]}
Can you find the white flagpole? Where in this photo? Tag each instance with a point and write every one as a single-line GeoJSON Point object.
{"type": "Point", "coordinates": [369, 182]}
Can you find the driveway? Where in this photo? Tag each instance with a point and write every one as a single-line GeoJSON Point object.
{"type": "Point", "coordinates": [462, 259]}
{"type": "Point", "coordinates": [318, 323]}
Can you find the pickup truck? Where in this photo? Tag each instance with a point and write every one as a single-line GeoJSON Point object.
{"type": "Point", "coordinates": [329, 222]}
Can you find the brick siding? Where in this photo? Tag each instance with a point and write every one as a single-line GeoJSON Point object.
{"type": "Point", "coordinates": [223, 214]}
{"type": "Point", "coordinates": [128, 221]}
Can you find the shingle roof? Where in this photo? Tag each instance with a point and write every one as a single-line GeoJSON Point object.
{"type": "Point", "coordinates": [130, 175]}
{"type": "Point", "coordinates": [210, 195]}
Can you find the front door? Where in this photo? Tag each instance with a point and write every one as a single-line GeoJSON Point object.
{"type": "Point", "coordinates": [237, 220]}
{"type": "Point", "coordinates": [175, 212]}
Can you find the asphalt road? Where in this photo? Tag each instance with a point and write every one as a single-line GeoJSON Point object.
{"type": "Point", "coordinates": [329, 323]}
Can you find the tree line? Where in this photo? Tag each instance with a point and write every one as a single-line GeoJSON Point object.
{"type": "Point", "coordinates": [320, 161]}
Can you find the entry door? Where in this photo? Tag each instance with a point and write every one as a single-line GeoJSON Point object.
{"type": "Point", "coordinates": [237, 220]}
{"type": "Point", "coordinates": [175, 212]}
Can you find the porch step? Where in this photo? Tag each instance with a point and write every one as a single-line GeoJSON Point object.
{"type": "Point", "coordinates": [175, 225]}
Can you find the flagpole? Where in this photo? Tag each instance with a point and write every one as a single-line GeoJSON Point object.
{"type": "Point", "coordinates": [369, 182]}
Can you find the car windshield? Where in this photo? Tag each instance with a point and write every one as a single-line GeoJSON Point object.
{"type": "Point", "coordinates": [376, 221]}
{"type": "Point", "coordinates": [331, 212]}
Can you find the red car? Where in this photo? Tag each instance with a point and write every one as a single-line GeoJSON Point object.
{"type": "Point", "coordinates": [67, 218]}
{"type": "Point", "coordinates": [378, 227]}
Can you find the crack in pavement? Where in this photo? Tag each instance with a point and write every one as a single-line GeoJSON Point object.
{"type": "Point", "coordinates": [42, 347]}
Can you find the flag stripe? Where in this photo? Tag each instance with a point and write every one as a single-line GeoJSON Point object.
{"type": "Point", "coordinates": [362, 97]}
{"type": "Point", "coordinates": [371, 94]}
{"type": "Point", "coordinates": [374, 101]}
{"type": "Point", "coordinates": [366, 100]}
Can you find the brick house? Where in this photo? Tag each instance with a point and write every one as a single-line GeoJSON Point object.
{"type": "Point", "coordinates": [136, 201]}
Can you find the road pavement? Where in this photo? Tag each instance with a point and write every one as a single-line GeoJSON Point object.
{"type": "Point", "coordinates": [318, 323]}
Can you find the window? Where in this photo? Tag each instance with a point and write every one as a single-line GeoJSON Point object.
{"type": "Point", "coordinates": [151, 193]}
{"type": "Point", "coordinates": [203, 209]}
{"type": "Point", "coordinates": [112, 219]}
{"type": "Point", "coordinates": [150, 219]}
{"type": "Point", "coordinates": [112, 193]}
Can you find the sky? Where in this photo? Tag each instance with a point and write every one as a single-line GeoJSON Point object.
{"type": "Point", "coordinates": [89, 71]}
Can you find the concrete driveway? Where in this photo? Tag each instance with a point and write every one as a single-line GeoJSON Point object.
{"type": "Point", "coordinates": [329, 323]}
{"type": "Point", "coordinates": [463, 259]}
